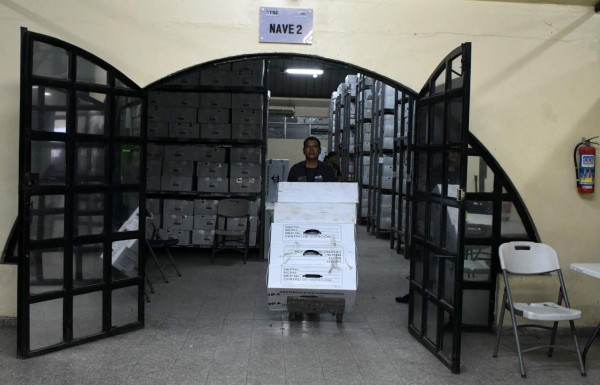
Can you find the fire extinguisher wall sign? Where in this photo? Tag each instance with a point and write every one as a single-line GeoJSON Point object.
{"type": "Point", "coordinates": [585, 165]}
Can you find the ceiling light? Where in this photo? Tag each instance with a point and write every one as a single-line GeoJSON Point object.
{"type": "Point", "coordinates": [314, 72]}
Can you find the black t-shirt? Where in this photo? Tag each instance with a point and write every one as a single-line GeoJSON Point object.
{"type": "Point", "coordinates": [300, 173]}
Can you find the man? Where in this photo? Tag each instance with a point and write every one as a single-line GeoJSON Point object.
{"type": "Point", "coordinates": [311, 169]}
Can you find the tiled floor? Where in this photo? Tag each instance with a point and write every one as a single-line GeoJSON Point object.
{"type": "Point", "coordinates": [212, 326]}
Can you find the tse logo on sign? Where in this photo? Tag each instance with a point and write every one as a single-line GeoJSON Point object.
{"type": "Point", "coordinates": [286, 25]}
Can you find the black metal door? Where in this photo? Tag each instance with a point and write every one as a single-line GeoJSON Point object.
{"type": "Point", "coordinates": [81, 186]}
{"type": "Point", "coordinates": [439, 151]}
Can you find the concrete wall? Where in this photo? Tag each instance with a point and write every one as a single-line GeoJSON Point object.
{"type": "Point", "coordinates": [535, 82]}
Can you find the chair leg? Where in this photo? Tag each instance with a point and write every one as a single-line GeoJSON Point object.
{"type": "Point", "coordinates": [214, 248]}
{"type": "Point", "coordinates": [518, 342]}
{"type": "Point", "coordinates": [553, 339]}
{"type": "Point", "coordinates": [150, 285]}
{"type": "Point", "coordinates": [500, 325]}
{"type": "Point", "coordinates": [172, 261]}
{"type": "Point", "coordinates": [157, 263]}
{"type": "Point", "coordinates": [577, 350]}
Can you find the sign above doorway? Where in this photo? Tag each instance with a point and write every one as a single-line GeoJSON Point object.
{"type": "Point", "coordinates": [285, 25]}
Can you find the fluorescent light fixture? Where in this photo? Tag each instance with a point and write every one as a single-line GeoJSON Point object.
{"type": "Point", "coordinates": [314, 72]}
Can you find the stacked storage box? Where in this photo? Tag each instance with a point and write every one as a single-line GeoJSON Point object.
{"type": "Point", "coordinates": [313, 249]}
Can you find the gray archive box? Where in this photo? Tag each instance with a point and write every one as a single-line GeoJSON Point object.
{"type": "Point", "coordinates": [245, 154]}
{"type": "Point", "coordinates": [179, 152]}
{"type": "Point", "coordinates": [215, 131]}
{"type": "Point", "coordinates": [213, 115]}
{"type": "Point", "coordinates": [215, 78]}
{"type": "Point", "coordinates": [178, 222]}
{"type": "Point", "coordinates": [246, 115]}
{"type": "Point", "coordinates": [183, 236]}
{"type": "Point", "coordinates": [158, 113]}
{"type": "Point", "coordinates": [153, 182]}
{"type": "Point", "coordinates": [246, 131]}
{"type": "Point", "coordinates": [215, 100]}
{"type": "Point", "coordinates": [212, 185]}
{"type": "Point", "coordinates": [183, 114]}
{"type": "Point", "coordinates": [245, 185]}
{"type": "Point", "coordinates": [205, 221]}
{"type": "Point", "coordinates": [159, 99]}
{"type": "Point", "coordinates": [247, 101]}
{"type": "Point", "coordinates": [153, 167]}
{"type": "Point", "coordinates": [212, 169]}
{"type": "Point", "coordinates": [210, 154]}
{"type": "Point", "coordinates": [203, 237]}
{"type": "Point", "coordinates": [191, 79]}
{"type": "Point", "coordinates": [158, 129]}
{"type": "Point", "coordinates": [178, 167]}
{"type": "Point", "coordinates": [175, 183]}
{"type": "Point", "coordinates": [205, 206]}
{"type": "Point", "coordinates": [155, 151]}
{"type": "Point", "coordinates": [243, 169]}
{"type": "Point", "coordinates": [184, 130]}
{"type": "Point", "coordinates": [184, 99]}
{"type": "Point", "coordinates": [178, 207]}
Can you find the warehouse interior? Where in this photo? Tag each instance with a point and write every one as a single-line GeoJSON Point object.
{"type": "Point", "coordinates": [242, 341]}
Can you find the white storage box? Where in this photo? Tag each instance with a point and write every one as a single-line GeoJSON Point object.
{"type": "Point", "coordinates": [330, 192]}
{"type": "Point", "coordinates": [178, 207]}
{"type": "Point", "coordinates": [213, 115]}
{"type": "Point", "coordinates": [215, 131]}
{"type": "Point", "coordinates": [215, 100]}
{"type": "Point", "coordinates": [183, 114]}
{"type": "Point", "coordinates": [313, 233]}
{"type": "Point", "coordinates": [184, 130]}
{"type": "Point", "coordinates": [246, 131]}
{"type": "Point", "coordinates": [205, 206]}
{"type": "Point", "coordinates": [210, 184]}
{"type": "Point", "coordinates": [215, 77]}
{"type": "Point", "coordinates": [243, 169]}
{"type": "Point", "coordinates": [211, 169]}
{"type": "Point", "coordinates": [246, 101]}
{"type": "Point", "coordinates": [205, 222]}
{"type": "Point", "coordinates": [245, 185]}
{"type": "Point", "coordinates": [175, 183]}
{"type": "Point", "coordinates": [210, 154]}
{"type": "Point", "coordinates": [245, 154]}
{"type": "Point", "coordinates": [203, 237]}
{"type": "Point", "coordinates": [178, 167]}
{"type": "Point", "coordinates": [158, 129]}
{"type": "Point", "coordinates": [178, 152]}
{"type": "Point", "coordinates": [178, 222]}
{"type": "Point", "coordinates": [321, 212]}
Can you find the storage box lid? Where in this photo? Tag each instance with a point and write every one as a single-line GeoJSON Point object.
{"type": "Point", "coordinates": [332, 192]}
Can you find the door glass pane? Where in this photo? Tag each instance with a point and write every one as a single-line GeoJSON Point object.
{"type": "Point", "coordinates": [90, 164]}
{"type": "Point", "coordinates": [420, 218]}
{"type": "Point", "coordinates": [47, 217]}
{"type": "Point", "coordinates": [46, 270]}
{"type": "Point", "coordinates": [125, 211]}
{"type": "Point", "coordinates": [453, 172]}
{"type": "Point", "coordinates": [87, 72]}
{"type": "Point", "coordinates": [127, 164]}
{"type": "Point", "coordinates": [124, 306]}
{"type": "Point", "coordinates": [432, 284]}
{"type": "Point", "coordinates": [120, 84]}
{"type": "Point", "coordinates": [478, 223]}
{"type": "Point", "coordinates": [128, 115]}
{"type": "Point", "coordinates": [50, 61]}
{"type": "Point", "coordinates": [476, 306]}
{"type": "Point", "coordinates": [49, 109]}
{"type": "Point", "coordinates": [419, 261]}
{"type": "Point", "coordinates": [435, 173]}
{"type": "Point", "coordinates": [432, 322]}
{"type": "Point", "coordinates": [446, 348]}
{"type": "Point", "coordinates": [418, 311]}
{"type": "Point", "coordinates": [455, 120]}
{"type": "Point", "coordinates": [448, 266]}
{"type": "Point", "coordinates": [45, 323]}
{"type": "Point", "coordinates": [422, 125]}
{"type": "Point", "coordinates": [48, 162]}
{"type": "Point", "coordinates": [439, 83]}
{"type": "Point", "coordinates": [451, 235]}
{"type": "Point", "coordinates": [480, 178]}
{"type": "Point", "coordinates": [91, 112]}
{"type": "Point", "coordinates": [435, 217]}
{"type": "Point", "coordinates": [125, 259]}
{"type": "Point", "coordinates": [437, 123]}
{"type": "Point", "coordinates": [87, 264]}
{"type": "Point", "coordinates": [456, 73]}
{"type": "Point", "coordinates": [477, 263]}
{"type": "Point", "coordinates": [87, 314]}
{"type": "Point", "coordinates": [511, 225]}
{"type": "Point", "coordinates": [89, 214]}
{"type": "Point", "coordinates": [421, 177]}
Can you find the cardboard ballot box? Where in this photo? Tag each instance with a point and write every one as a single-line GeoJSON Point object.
{"type": "Point", "coordinates": [320, 212]}
{"type": "Point", "coordinates": [313, 233]}
{"type": "Point", "coordinates": [311, 270]}
{"type": "Point", "coordinates": [315, 192]}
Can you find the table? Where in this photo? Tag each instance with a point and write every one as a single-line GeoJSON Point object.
{"type": "Point", "coordinates": [593, 270]}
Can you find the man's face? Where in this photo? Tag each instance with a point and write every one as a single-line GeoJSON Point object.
{"type": "Point", "coordinates": [312, 150]}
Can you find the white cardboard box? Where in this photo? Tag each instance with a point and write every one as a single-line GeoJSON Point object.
{"type": "Point", "coordinates": [313, 233]}
{"type": "Point", "coordinates": [322, 212]}
{"type": "Point", "coordinates": [329, 192]}
{"type": "Point", "coordinates": [326, 281]}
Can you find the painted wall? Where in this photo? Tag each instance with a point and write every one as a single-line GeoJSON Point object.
{"type": "Point", "coordinates": [534, 86]}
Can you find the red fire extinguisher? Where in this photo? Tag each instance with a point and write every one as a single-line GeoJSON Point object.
{"type": "Point", "coordinates": [584, 157]}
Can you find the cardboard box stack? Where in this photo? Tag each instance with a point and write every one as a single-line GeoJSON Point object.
{"type": "Point", "coordinates": [313, 246]}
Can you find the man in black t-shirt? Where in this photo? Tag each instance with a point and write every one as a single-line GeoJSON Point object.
{"type": "Point", "coordinates": [311, 169]}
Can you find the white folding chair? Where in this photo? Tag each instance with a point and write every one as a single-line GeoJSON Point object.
{"type": "Point", "coordinates": [534, 259]}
